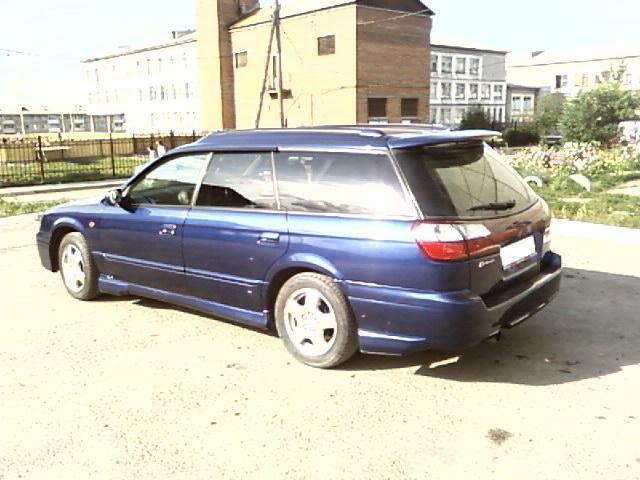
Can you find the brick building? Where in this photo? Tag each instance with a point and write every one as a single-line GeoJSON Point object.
{"type": "Point", "coordinates": [343, 61]}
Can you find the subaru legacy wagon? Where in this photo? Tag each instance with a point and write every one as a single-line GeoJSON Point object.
{"type": "Point", "coordinates": [386, 239]}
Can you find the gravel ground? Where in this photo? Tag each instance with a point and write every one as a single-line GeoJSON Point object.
{"type": "Point", "coordinates": [133, 389]}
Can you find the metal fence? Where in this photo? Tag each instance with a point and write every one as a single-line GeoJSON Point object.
{"type": "Point", "coordinates": [38, 160]}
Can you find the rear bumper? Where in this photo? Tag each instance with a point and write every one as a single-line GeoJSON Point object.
{"type": "Point", "coordinates": [398, 322]}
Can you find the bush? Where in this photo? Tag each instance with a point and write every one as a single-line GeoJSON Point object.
{"type": "Point", "coordinates": [549, 111]}
{"type": "Point", "coordinates": [475, 119]}
{"type": "Point", "coordinates": [594, 116]}
{"type": "Point", "coordinates": [521, 136]}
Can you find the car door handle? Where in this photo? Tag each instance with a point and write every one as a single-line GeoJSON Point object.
{"type": "Point", "coordinates": [167, 230]}
{"type": "Point", "coordinates": [269, 238]}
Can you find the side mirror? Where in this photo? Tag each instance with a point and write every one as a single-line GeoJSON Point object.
{"type": "Point", "coordinates": [113, 197]}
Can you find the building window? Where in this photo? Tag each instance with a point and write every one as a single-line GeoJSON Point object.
{"type": "Point", "coordinates": [148, 66]}
{"type": "Point", "coordinates": [445, 116]}
{"type": "Point", "coordinates": [461, 91]}
{"type": "Point", "coordinates": [628, 79]}
{"type": "Point", "coordinates": [435, 112]}
{"type": "Point", "coordinates": [140, 95]}
{"type": "Point", "coordinates": [174, 92]}
{"type": "Point", "coordinates": [434, 89]}
{"type": "Point", "coordinates": [562, 81]}
{"type": "Point", "coordinates": [327, 45]}
{"type": "Point", "coordinates": [152, 94]}
{"type": "Point", "coordinates": [458, 115]}
{"type": "Point", "coordinates": [187, 90]}
{"type": "Point", "coordinates": [446, 91]}
{"type": "Point", "coordinates": [500, 114]}
{"type": "Point", "coordinates": [241, 59]}
{"type": "Point", "coordinates": [434, 64]}
{"type": "Point", "coordinates": [474, 89]}
{"type": "Point", "coordinates": [159, 65]}
{"type": "Point", "coordinates": [377, 109]}
{"type": "Point", "coordinates": [409, 108]}
{"type": "Point", "coordinates": [461, 65]}
{"type": "Point", "coordinates": [486, 92]}
{"type": "Point", "coordinates": [585, 80]}
{"type": "Point", "coordinates": [527, 104]}
{"type": "Point", "coordinates": [474, 66]}
{"type": "Point", "coordinates": [447, 64]}
{"type": "Point", "coordinates": [516, 103]}
{"type": "Point", "coordinates": [498, 93]}
{"type": "Point", "coordinates": [97, 74]}
{"type": "Point", "coordinates": [163, 94]}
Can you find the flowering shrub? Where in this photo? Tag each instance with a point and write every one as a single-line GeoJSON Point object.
{"type": "Point", "coordinates": [589, 159]}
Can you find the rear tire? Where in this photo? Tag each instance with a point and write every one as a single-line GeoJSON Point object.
{"type": "Point", "coordinates": [315, 321]}
{"type": "Point", "coordinates": [77, 268]}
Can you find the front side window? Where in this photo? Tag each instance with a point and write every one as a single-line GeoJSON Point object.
{"type": "Point", "coordinates": [171, 183]}
{"type": "Point", "coordinates": [238, 180]}
{"type": "Point", "coordinates": [340, 183]}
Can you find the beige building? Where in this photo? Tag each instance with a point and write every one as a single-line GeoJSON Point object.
{"type": "Point", "coordinates": [343, 61]}
{"type": "Point", "coordinates": [569, 71]}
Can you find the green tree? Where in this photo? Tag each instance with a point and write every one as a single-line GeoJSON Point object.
{"type": "Point", "coordinates": [475, 119]}
{"type": "Point", "coordinates": [549, 112]}
{"type": "Point", "coordinates": [595, 115]}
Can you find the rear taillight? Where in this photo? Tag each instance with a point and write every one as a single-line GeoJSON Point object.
{"type": "Point", "coordinates": [452, 242]}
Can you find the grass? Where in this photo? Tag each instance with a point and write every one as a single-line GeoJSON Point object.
{"type": "Point", "coordinates": [29, 173]}
{"type": "Point", "coordinates": [571, 202]}
{"type": "Point", "coordinates": [9, 209]}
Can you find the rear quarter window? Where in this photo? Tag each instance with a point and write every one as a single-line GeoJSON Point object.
{"type": "Point", "coordinates": [340, 183]}
{"type": "Point", "coordinates": [463, 180]}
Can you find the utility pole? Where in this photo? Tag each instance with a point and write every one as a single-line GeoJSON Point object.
{"type": "Point", "coordinates": [266, 72]}
{"type": "Point", "coordinates": [275, 32]}
{"type": "Point", "coordinates": [279, 45]}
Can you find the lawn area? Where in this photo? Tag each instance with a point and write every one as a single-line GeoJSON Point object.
{"type": "Point", "coordinates": [594, 207]}
{"type": "Point", "coordinates": [29, 173]}
{"type": "Point", "coordinates": [9, 209]}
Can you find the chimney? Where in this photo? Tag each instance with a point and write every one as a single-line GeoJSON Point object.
{"type": "Point", "coordinates": [215, 52]}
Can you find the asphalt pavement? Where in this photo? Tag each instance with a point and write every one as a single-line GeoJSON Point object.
{"type": "Point", "coordinates": [126, 388]}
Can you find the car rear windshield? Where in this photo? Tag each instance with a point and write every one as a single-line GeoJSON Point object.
{"type": "Point", "coordinates": [463, 180]}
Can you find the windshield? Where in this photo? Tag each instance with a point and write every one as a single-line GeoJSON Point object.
{"type": "Point", "coordinates": [463, 180]}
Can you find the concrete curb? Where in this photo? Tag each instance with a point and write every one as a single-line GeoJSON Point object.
{"type": "Point", "coordinates": [62, 187]}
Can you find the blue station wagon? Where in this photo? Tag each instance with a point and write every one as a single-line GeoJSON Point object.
{"type": "Point", "coordinates": [387, 239]}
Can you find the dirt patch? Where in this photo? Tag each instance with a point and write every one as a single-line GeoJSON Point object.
{"type": "Point", "coordinates": [499, 436]}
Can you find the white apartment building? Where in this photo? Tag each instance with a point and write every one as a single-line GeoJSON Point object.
{"type": "Point", "coordinates": [569, 71]}
{"type": "Point", "coordinates": [465, 77]}
{"type": "Point", "coordinates": [155, 87]}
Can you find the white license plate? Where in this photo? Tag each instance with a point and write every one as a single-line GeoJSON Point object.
{"type": "Point", "coordinates": [517, 252]}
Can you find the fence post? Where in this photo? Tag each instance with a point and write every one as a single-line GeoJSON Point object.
{"type": "Point", "coordinates": [113, 159]}
{"type": "Point", "coordinates": [41, 159]}
{"type": "Point", "coordinates": [172, 140]}
{"type": "Point", "coordinates": [133, 144]}
{"type": "Point", "coordinates": [193, 136]}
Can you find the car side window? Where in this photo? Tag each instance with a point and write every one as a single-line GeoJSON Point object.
{"type": "Point", "coordinates": [341, 183]}
{"type": "Point", "coordinates": [238, 180]}
{"type": "Point", "coordinates": [171, 183]}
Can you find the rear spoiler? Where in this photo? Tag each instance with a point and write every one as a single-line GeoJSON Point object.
{"type": "Point", "coordinates": [411, 140]}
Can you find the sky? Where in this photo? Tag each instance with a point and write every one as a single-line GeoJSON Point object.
{"type": "Point", "coordinates": [55, 36]}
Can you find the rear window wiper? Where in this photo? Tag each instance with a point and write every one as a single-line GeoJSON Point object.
{"type": "Point", "coordinates": [494, 206]}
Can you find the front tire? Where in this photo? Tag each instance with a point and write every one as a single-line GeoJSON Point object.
{"type": "Point", "coordinates": [77, 268]}
{"type": "Point", "coordinates": [315, 321]}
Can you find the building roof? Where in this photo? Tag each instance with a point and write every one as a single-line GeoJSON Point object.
{"type": "Point", "coordinates": [293, 8]}
{"type": "Point", "coordinates": [574, 55]}
{"type": "Point", "coordinates": [450, 42]}
{"type": "Point", "coordinates": [181, 39]}
{"type": "Point", "coordinates": [343, 137]}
